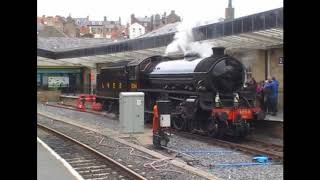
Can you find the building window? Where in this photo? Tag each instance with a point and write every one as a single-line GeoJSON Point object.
{"type": "Point", "coordinates": [133, 30]}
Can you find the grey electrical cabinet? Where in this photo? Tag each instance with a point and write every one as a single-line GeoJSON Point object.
{"type": "Point", "coordinates": [131, 112]}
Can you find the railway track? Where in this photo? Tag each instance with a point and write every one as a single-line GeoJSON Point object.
{"type": "Point", "coordinates": [273, 151]}
{"type": "Point", "coordinates": [264, 144]}
{"type": "Point", "coordinates": [70, 107]}
{"type": "Point", "coordinates": [88, 162]}
{"type": "Point", "coordinates": [250, 146]}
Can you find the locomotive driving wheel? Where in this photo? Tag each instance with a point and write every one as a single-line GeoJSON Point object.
{"type": "Point", "coordinates": [179, 123]}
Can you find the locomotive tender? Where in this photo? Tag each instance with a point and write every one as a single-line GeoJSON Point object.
{"type": "Point", "coordinates": [205, 92]}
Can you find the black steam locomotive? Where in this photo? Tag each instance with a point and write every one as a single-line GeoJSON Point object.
{"type": "Point", "coordinates": [205, 93]}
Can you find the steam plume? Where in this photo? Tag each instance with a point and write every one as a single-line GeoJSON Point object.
{"type": "Point", "coordinates": [184, 41]}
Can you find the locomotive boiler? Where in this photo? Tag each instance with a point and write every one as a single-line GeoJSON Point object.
{"type": "Point", "coordinates": [205, 92]}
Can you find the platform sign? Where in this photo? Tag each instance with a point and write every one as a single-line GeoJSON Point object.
{"type": "Point", "coordinates": [281, 60]}
{"type": "Point", "coordinates": [58, 81]}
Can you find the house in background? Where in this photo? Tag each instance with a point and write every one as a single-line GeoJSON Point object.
{"type": "Point", "coordinates": [136, 30]}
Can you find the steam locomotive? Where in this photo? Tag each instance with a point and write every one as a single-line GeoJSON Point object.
{"type": "Point", "coordinates": [205, 93]}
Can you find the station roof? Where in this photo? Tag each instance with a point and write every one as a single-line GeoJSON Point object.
{"type": "Point", "coordinates": [258, 31]}
{"type": "Point", "coordinates": [57, 44]}
{"type": "Point", "coordinates": [169, 28]}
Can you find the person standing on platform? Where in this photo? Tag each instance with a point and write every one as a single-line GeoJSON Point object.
{"type": "Point", "coordinates": [277, 95]}
{"type": "Point", "coordinates": [270, 91]}
{"type": "Point", "coordinates": [266, 92]}
{"type": "Point", "coordinates": [260, 95]}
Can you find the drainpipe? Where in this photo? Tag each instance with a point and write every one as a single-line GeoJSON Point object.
{"type": "Point", "coordinates": [266, 64]}
{"type": "Point", "coordinates": [269, 62]}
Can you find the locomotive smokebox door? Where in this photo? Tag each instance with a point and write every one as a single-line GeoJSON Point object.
{"type": "Point", "coordinates": [164, 113]}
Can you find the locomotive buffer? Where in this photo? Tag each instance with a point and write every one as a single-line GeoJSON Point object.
{"type": "Point", "coordinates": [161, 123]}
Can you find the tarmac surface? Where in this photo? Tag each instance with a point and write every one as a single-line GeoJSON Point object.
{"type": "Point", "coordinates": [50, 168]}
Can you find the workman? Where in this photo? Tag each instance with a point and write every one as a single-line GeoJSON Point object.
{"type": "Point", "coordinates": [155, 123]}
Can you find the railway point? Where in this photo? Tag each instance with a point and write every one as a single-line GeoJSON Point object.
{"type": "Point", "coordinates": [177, 101]}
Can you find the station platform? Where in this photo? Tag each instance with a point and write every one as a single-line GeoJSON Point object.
{"type": "Point", "coordinates": [278, 117]}
{"type": "Point", "coordinates": [50, 168]}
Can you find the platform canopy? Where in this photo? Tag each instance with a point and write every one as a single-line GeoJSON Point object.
{"type": "Point", "coordinates": [258, 31]}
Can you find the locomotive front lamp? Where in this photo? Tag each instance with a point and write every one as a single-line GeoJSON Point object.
{"type": "Point", "coordinates": [236, 99]}
{"type": "Point", "coordinates": [217, 100]}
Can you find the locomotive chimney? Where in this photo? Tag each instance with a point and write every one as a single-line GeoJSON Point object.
{"type": "Point", "coordinates": [218, 51]}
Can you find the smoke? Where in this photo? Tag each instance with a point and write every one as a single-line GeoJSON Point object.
{"type": "Point", "coordinates": [184, 41]}
{"type": "Point", "coordinates": [247, 59]}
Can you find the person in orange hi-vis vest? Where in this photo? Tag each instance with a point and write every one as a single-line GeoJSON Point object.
{"type": "Point", "coordinates": [155, 122]}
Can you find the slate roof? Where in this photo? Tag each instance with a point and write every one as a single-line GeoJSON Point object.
{"type": "Point", "coordinates": [63, 43]}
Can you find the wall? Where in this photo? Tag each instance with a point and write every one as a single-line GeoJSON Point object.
{"type": "Point", "coordinates": [134, 30]}
{"type": "Point", "coordinates": [86, 80]}
{"type": "Point", "coordinates": [71, 30]}
{"type": "Point", "coordinates": [276, 70]}
{"type": "Point", "coordinates": [75, 75]}
{"type": "Point", "coordinates": [255, 59]}
{"type": "Point", "coordinates": [48, 96]}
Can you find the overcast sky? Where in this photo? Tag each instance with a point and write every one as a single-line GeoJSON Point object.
{"type": "Point", "coordinates": [189, 10]}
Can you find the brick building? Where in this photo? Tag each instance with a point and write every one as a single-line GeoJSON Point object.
{"type": "Point", "coordinates": [101, 29]}
{"type": "Point", "coordinates": [82, 27]}
{"type": "Point", "coordinates": [70, 28]}
{"type": "Point", "coordinates": [155, 21]}
{"type": "Point", "coordinates": [57, 26]}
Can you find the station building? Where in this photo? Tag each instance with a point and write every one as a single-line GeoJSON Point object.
{"type": "Point", "coordinates": [256, 40]}
{"type": "Point", "coordinates": [63, 78]}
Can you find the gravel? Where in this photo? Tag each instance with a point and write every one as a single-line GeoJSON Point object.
{"type": "Point", "coordinates": [119, 152]}
{"type": "Point", "coordinates": [220, 155]}
{"type": "Point", "coordinates": [82, 117]}
{"type": "Point", "coordinates": [266, 138]}
{"type": "Point", "coordinates": [204, 161]}
{"type": "Point", "coordinates": [72, 152]}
